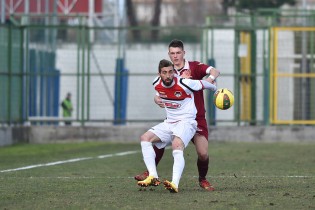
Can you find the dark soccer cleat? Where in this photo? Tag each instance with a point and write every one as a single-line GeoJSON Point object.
{"type": "Point", "coordinates": [206, 185]}
{"type": "Point", "coordinates": [142, 176]}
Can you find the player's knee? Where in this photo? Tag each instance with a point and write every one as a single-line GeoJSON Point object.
{"type": "Point", "coordinates": [203, 156]}
{"type": "Point", "coordinates": [178, 144]}
{"type": "Point", "coordinates": [144, 137]}
{"type": "Point", "coordinates": [149, 137]}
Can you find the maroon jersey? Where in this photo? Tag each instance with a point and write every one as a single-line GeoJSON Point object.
{"type": "Point", "coordinates": [198, 71]}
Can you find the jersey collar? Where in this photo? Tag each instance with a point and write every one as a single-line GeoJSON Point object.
{"type": "Point", "coordinates": [185, 67]}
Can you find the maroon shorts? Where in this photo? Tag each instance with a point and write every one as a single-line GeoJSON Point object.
{"type": "Point", "coordinates": [202, 127]}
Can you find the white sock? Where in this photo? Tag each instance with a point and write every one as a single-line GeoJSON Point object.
{"type": "Point", "coordinates": [178, 167]}
{"type": "Point", "coordinates": [149, 158]}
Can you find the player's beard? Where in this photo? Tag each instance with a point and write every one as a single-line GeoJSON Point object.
{"type": "Point", "coordinates": [167, 82]}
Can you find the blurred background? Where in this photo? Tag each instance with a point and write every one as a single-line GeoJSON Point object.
{"type": "Point", "coordinates": [106, 52]}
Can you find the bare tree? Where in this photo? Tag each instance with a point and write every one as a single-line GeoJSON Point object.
{"type": "Point", "coordinates": [156, 19]}
{"type": "Point", "coordinates": [133, 20]}
{"type": "Point", "coordinates": [226, 4]}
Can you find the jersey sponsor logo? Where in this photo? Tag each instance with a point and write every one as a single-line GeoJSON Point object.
{"type": "Point", "coordinates": [162, 94]}
{"type": "Point", "coordinates": [178, 94]}
{"type": "Point", "coordinates": [172, 105]}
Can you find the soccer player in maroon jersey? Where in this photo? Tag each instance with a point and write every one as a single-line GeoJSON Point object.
{"type": "Point", "coordinates": [179, 127]}
{"type": "Point", "coordinates": [193, 70]}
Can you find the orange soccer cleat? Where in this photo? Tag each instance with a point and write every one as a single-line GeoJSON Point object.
{"type": "Point", "coordinates": [206, 185]}
{"type": "Point", "coordinates": [142, 176]}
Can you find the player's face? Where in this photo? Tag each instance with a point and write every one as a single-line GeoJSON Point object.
{"type": "Point", "coordinates": [167, 75]}
{"type": "Point", "coordinates": [176, 55]}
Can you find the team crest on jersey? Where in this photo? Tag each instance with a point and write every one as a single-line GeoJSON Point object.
{"type": "Point", "coordinates": [178, 94]}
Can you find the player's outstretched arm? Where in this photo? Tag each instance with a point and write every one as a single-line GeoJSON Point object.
{"type": "Point", "coordinates": [209, 84]}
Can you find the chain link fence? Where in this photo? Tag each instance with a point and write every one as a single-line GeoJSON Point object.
{"type": "Point", "coordinates": [109, 70]}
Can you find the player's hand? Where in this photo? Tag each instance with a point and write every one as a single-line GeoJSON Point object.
{"type": "Point", "coordinates": [186, 74]}
{"type": "Point", "coordinates": [212, 81]}
{"type": "Point", "coordinates": [158, 101]}
{"type": "Point", "coordinates": [215, 72]}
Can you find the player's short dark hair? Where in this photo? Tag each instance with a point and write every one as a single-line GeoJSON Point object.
{"type": "Point", "coordinates": [176, 43]}
{"type": "Point", "coordinates": [164, 63]}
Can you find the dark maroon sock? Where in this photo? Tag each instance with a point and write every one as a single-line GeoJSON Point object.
{"type": "Point", "coordinates": [203, 166]}
{"type": "Point", "coordinates": [158, 154]}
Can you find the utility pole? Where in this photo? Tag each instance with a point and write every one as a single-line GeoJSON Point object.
{"type": "Point", "coordinates": [91, 19]}
{"type": "Point", "coordinates": [304, 69]}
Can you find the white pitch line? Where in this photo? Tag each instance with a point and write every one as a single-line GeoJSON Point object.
{"type": "Point", "coordinates": [118, 154]}
{"type": "Point", "coordinates": [128, 153]}
{"type": "Point", "coordinates": [68, 161]}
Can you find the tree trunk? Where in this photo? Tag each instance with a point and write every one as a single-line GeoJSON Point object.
{"type": "Point", "coordinates": [156, 20]}
{"type": "Point", "coordinates": [136, 34]}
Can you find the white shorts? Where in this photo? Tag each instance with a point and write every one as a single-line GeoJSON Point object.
{"type": "Point", "coordinates": [167, 131]}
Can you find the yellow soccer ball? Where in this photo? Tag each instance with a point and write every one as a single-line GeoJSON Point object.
{"type": "Point", "coordinates": [223, 98]}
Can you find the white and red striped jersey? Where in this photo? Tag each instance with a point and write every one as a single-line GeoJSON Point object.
{"type": "Point", "coordinates": [178, 98]}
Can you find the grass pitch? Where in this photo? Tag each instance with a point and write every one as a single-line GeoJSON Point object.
{"type": "Point", "coordinates": [98, 175]}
